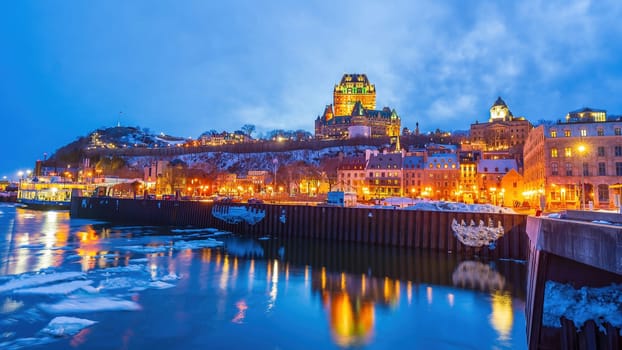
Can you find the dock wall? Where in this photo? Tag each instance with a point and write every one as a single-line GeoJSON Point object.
{"type": "Point", "coordinates": [384, 227]}
{"type": "Point", "coordinates": [579, 252]}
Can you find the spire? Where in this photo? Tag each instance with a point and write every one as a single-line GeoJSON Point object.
{"type": "Point", "coordinates": [499, 102]}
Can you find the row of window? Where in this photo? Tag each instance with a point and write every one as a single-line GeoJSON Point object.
{"type": "Point", "coordinates": [583, 132]}
{"type": "Point", "coordinates": [600, 150]}
{"type": "Point", "coordinates": [602, 169]}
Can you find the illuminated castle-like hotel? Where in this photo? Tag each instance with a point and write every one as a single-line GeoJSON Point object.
{"type": "Point", "coordinates": [353, 112]}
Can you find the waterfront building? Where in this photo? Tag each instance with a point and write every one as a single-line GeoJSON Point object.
{"type": "Point", "coordinates": [575, 160]}
{"type": "Point", "coordinates": [511, 192]}
{"type": "Point", "coordinates": [490, 173]}
{"type": "Point", "coordinates": [384, 174]}
{"type": "Point", "coordinates": [442, 172]}
{"type": "Point", "coordinates": [414, 173]}
{"type": "Point", "coordinates": [351, 176]}
{"type": "Point", "coordinates": [257, 179]}
{"type": "Point", "coordinates": [353, 112]}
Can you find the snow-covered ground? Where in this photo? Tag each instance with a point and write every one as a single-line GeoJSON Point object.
{"type": "Point", "coordinates": [253, 161]}
{"type": "Point", "coordinates": [431, 205]}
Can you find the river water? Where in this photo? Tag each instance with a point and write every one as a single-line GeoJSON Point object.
{"type": "Point", "coordinates": [67, 283]}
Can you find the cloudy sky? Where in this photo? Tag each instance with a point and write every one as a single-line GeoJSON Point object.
{"type": "Point", "coordinates": [183, 67]}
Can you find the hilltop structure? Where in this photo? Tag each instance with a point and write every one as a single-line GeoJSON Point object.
{"type": "Point", "coordinates": [353, 112]}
{"type": "Point", "coordinates": [503, 130]}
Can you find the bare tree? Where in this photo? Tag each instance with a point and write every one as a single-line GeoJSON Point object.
{"type": "Point", "coordinates": [248, 129]}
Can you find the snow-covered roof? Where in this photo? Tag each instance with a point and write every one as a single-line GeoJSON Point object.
{"type": "Point", "coordinates": [496, 166]}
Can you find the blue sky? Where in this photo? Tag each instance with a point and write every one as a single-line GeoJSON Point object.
{"type": "Point", "coordinates": [184, 67]}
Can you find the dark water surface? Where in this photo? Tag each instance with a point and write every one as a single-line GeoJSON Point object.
{"type": "Point", "coordinates": [154, 288]}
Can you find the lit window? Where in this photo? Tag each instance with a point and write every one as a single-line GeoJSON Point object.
{"type": "Point", "coordinates": [583, 132]}
{"type": "Point", "coordinates": [567, 133]}
{"type": "Point", "coordinates": [553, 152]}
{"type": "Point", "coordinates": [568, 152]}
{"type": "Point", "coordinates": [553, 134]}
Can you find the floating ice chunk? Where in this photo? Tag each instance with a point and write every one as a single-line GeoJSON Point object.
{"type": "Point", "coordinates": [22, 343]}
{"type": "Point", "coordinates": [90, 289]}
{"type": "Point", "coordinates": [64, 326]}
{"type": "Point", "coordinates": [145, 249]}
{"type": "Point", "coordinates": [207, 243]}
{"type": "Point", "coordinates": [221, 233]}
{"type": "Point", "coordinates": [10, 306]}
{"type": "Point", "coordinates": [26, 281]}
{"type": "Point", "coordinates": [90, 304]}
{"type": "Point", "coordinates": [61, 288]}
{"type": "Point", "coordinates": [170, 277]}
{"type": "Point", "coordinates": [121, 283]}
{"type": "Point", "coordinates": [192, 230]}
{"type": "Point", "coordinates": [160, 285]}
{"type": "Point", "coordinates": [128, 268]}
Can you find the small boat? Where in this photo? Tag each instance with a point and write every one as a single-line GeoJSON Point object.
{"type": "Point", "coordinates": [47, 193]}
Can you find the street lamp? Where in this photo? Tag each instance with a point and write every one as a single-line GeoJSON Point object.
{"type": "Point", "coordinates": [581, 149]}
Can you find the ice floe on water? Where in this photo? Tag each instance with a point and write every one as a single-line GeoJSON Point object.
{"type": "Point", "coordinates": [25, 343]}
{"type": "Point", "coordinates": [145, 249]}
{"type": "Point", "coordinates": [55, 289]}
{"type": "Point", "coordinates": [66, 326]}
{"type": "Point", "coordinates": [194, 230]}
{"type": "Point", "coordinates": [580, 305]}
{"type": "Point", "coordinates": [207, 243]}
{"type": "Point", "coordinates": [116, 269]}
{"type": "Point", "coordinates": [176, 245]}
{"type": "Point", "coordinates": [29, 280]}
{"type": "Point", "coordinates": [82, 304]}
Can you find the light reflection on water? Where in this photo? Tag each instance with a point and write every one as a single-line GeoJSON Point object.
{"type": "Point", "coordinates": [271, 294]}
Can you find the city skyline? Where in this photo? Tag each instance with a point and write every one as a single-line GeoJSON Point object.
{"type": "Point", "coordinates": [70, 68]}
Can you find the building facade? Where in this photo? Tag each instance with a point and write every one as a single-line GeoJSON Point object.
{"type": "Point", "coordinates": [573, 163]}
{"type": "Point", "coordinates": [351, 89]}
{"type": "Point", "coordinates": [503, 131]}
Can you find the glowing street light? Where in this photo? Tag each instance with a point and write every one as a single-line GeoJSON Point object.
{"type": "Point", "coordinates": [581, 149]}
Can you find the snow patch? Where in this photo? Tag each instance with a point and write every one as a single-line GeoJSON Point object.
{"type": "Point", "coordinates": [580, 305]}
